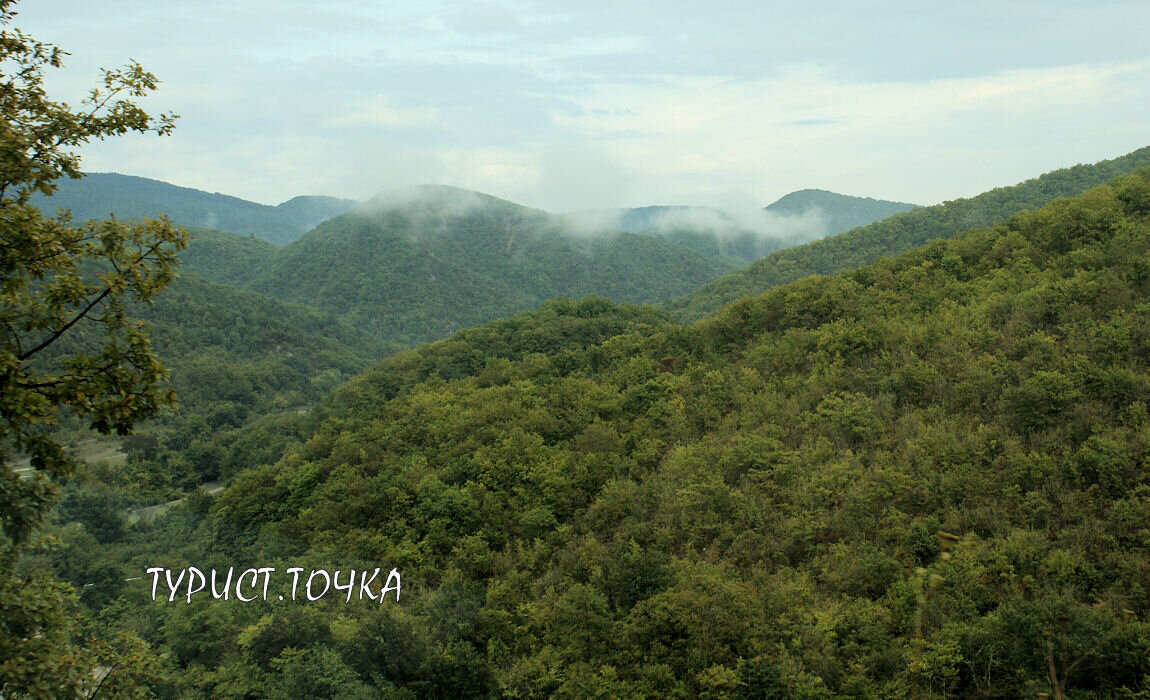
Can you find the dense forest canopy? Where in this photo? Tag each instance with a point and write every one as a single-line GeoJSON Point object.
{"type": "Point", "coordinates": [471, 459]}
{"type": "Point", "coordinates": [926, 475]}
{"type": "Point", "coordinates": [418, 265]}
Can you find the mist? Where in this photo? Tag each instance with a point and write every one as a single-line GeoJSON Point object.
{"type": "Point", "coordinates": [728, 224]}
{"type": "Point", "coordinates": [736, 227]}
{"type": "Point", "coordinates": [444, 199]}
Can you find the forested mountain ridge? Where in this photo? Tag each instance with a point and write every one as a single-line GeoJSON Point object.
{"type": "Point", "coordinates": [901, 233]}
{"type": "Point", "coordinates": [840, 212]}
{"type": "Point", "coordinates": [101, 195]}
{"type": "Point", "coordinates": [927, 475]}
{"type": "Point", "coordinates": [417, 265]}
{"type": "Point", "coordinates": [747, 234]}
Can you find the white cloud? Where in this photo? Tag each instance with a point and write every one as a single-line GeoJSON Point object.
{"type": "Point", "coordinates": [378, 111]}
{"type": "Point", "coordinates": [567, 105]}
{"type": "Point", "coordinates": [756, 133]}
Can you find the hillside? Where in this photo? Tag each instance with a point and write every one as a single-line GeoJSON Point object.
{"type": "Point", "coordinates": [418, 265]}
{"type": "Point", "coordinates": [900, 233]}
{"type": "Point", "coordinates": [925, 476]}
{"type": "Point", "coordinates": [277, 354]}
{"type": "Point", "coordinates": [223, 257]}
{"type": "Point", "coordinates": [100, 195]}
{"type": "Point", "coordinates": [237, 360]}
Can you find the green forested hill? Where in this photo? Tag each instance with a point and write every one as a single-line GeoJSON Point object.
{"type": "Point", "coordinates": [100, 195]}
{"type": "Point", "coordinates": [420, 265]}
{"type": "Point", "coordinates": [840, 212]}
{"type": "Point", "coordinates": [900, 233]}
{"type": "Point", "coordinates": [237, 359]}
{"type": "Point", "coordinates": [311, 210]}
{"type": "Point", "coordinates": [303, 352]}
{"type": "Point", "coordinates": [926, 476]}
{"type": "Point", "coordinates": [223, 257]}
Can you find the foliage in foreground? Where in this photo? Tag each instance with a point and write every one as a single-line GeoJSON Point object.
{"type": "Point", "coordinates": [55, 280]}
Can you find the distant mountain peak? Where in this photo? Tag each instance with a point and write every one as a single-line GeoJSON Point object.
{"type": "Point", "coordinates": [808, 198]}
{"type": "Point", "coordinates": [435, 195]}
{"type": "Point", "coordinates": [840, 212]}
{"type": "Point", "coordinates": [100, 195]}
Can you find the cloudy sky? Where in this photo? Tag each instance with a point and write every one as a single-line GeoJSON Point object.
{"type": "Point", "coordinates": [575, 104]}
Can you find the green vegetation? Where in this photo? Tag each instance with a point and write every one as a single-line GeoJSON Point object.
{"type": "Point", "coordinates": [840, 212]}
{"type": "Point", "coordinates": [238, 360]}
{"type": "Point", "coordinates": [102, 195]}
{"type": "Point", "coordinates": [67, 348]}
{"type": "Point", "coordinates": [900, 233]}
{"type": "Point", "coordinates": [419, 267]}
{"type": "Point", "coordinates": [923, 476]}
{"type": "Point", "coordinates": [224, 257]}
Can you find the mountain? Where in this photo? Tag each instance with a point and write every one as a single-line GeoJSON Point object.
{"type": "Point", "coordinates": [99, 195]}
{"type": "Point", "coordinates": [747, 235]}
{"type": "Point", "coordinates": [417, 265]}
{"type": "Point", "coordinates": [739, 237]}
{"type": "Point", "coordinates": [925, 476]}
{"type": "Point", "coordinates": [311, 210]}
{"type": "Point", "coordinates": [840, 212]}
{"type": "Point", "coordinates": [900, 233]}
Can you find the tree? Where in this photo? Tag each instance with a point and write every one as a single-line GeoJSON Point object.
{"type": "Point", "coordinates": [67, 343]}
{"type": "Point", "coordinates": [63, 285]}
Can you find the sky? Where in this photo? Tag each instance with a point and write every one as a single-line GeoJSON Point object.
{"type": "Point", "coordinates": [570, 105]}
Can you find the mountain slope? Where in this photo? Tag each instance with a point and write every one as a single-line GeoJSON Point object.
{"type": "Point", "coordinates": [241, 363]}
{"type": "Point", "coordinates": [100, 195]}
{"type": "Point", "coordinates": [417, 265]}
{"type": "Point", "coordinates": [900, 233]}
{"type": "Point", "coordinates": [196, 319]}
{"type": "Point", "coordinates": [924, 475]}
{"type": "Point", "coordinates": [839, 212]}
{"type": "Point", "coordinates": [223, 257]}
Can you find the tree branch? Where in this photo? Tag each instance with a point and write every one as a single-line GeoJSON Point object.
{"type": "Point", "coordinates": [76, 319]}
